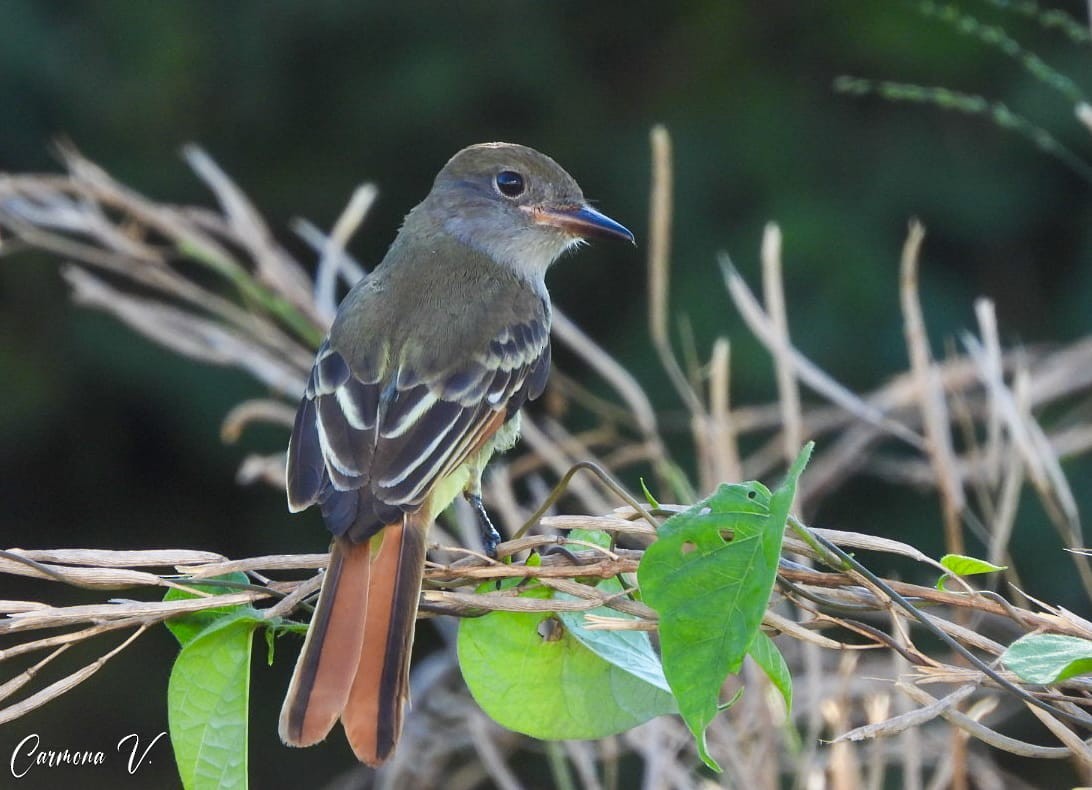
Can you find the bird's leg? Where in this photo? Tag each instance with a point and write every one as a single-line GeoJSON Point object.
{"type": "Point", "coordinates": [490, 536]}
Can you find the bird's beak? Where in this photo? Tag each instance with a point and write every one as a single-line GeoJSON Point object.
{"type": "Point", "coordinates": [582, 221]}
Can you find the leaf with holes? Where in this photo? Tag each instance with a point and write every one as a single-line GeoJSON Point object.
{"type": "Point", "coordinates": [530, 674]}
{"type": "Point", "coordinates": [709, 576]}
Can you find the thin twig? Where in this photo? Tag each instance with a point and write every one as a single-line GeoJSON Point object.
{"type": "Point", "coordinates": [934, 412]}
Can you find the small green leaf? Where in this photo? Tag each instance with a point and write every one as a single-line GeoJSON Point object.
{"type": "Point", "coordinates": [531, 675]}
{"type": "Point", "coordinates": [736, 697]}
{"type": "Point", "coordinates": [186, 627]}
{"type": "Point", "coordinates": [1048, 658]}
{"type": "Point", "coordinates": [648, 495]}
{"type": "Point", "coordinates": [270, 638]}
{"type": "Point", "coordinates": [709, 576]}
{"type": "Point", "coordinates": [596, 537]}
{"type": "Point", "coordinates": [207, 701]}
{"type": "Point", "coordinates": [769, 659]}
{"type": "Point", "coordinates": [961, 565]}
{"type": "Point", "coordinates": [274, 627]}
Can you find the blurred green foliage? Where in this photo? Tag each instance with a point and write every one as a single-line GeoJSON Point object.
{"type": "Point", "coordinates": [106, 440]}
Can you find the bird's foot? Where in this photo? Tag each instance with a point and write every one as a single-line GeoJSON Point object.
{"type": "Point", "coordinates": [490, 537]}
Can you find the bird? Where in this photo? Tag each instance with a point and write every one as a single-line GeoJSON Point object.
{"type": "Point", "coordinates": [420, 380]}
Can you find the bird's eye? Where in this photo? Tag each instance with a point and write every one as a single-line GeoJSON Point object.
{"type": "Point", "coordinates": [510, 184]}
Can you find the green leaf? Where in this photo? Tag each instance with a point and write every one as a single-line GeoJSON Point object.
{"type": "Point", "coordinates": [596, 537]}
{"type": "Point", "coordinates": [961, 565]}
{"type": "Point", "coordinates": [207, 700]}
{"type": "Point", "coordinates": [648, 495]}
{"type": "Point", "coordinates": [709, 576]}
{"type": "Point", "coordinates": [186, 627]}
{"type": "Point", "coordinates": [630, 651]}
{"type": "Point", "coordinates": [1048, 658]}
{"type": "Point", "coordinates": [270, 639]}
{"type": "Point", "coordinates": [769, 659]}
{"type": "Point", "coordinates": [532, 675]}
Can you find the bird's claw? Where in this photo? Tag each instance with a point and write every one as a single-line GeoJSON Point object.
{"type": "Point", "coordinates": [490, 537]}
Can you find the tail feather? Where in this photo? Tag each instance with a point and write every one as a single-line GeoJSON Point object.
{"type": "Point", "coordinates": [373, 712]}
{"type": "Point", "coordinates": [331, 652]}
{"type": "Point", "coordinates": [355, 660]}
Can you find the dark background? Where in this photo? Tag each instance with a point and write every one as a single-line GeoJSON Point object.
{"type": "Point", "coordinates": [108, 441]}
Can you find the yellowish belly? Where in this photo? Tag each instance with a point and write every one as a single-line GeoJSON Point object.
{"type": "Point", "coordinates": [469, 473]}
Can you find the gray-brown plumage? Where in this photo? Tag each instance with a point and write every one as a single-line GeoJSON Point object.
{"type": "Point", "coordinates": [422, 377]}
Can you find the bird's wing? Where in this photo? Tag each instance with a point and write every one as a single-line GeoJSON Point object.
{"type": "Point", "coordinates": [370, 448]}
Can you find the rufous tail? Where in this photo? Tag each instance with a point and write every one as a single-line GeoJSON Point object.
{"type": "Point", "coordinates": [355, 659]}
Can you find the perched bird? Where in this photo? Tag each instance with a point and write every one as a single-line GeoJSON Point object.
{"type": "Point", "coordinates": [422, 376]}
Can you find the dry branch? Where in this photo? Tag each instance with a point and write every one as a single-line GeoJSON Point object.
{"type": "Point", "coordinates": [132, 258]}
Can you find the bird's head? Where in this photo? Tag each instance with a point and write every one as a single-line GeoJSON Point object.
{"type": "Point", "coordinates": [516, 205]}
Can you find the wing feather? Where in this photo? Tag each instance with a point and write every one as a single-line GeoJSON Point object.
{"type": "Point", "coordinates": [369, 445]}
